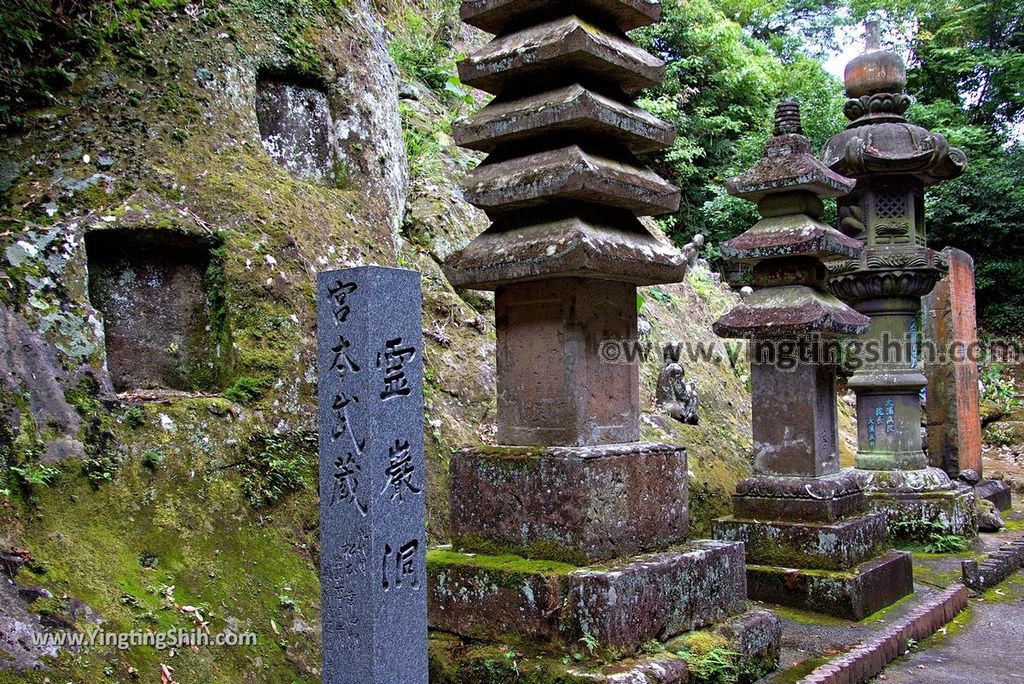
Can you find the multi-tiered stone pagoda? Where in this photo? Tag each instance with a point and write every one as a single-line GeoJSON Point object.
{"type": "Point", "coordinates": [809, 541]}
{"type": "Point", "coordinates": [572, 529]}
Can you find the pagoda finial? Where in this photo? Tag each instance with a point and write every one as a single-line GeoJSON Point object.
{"type": "Point", "coordinates": [787, 118]}
{"type": "Point", "coordinates": [873, 35]}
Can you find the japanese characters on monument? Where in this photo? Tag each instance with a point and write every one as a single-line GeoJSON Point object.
{"type": "Point", "coordinates": [372, 486]}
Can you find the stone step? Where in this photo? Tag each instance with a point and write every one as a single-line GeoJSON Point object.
{"type": "Point", "coordinates": [852, 594]}
{"type": "Point", "coordinates": [570, 110]}
{"type": "Point", "coordinates": [569, 174]}
{"type": "Point", "coordinates": [835, 546]}
{"type": "Point", "coordinates": [495, 16]}
{"type": "Point", "coordinates": [566, 47]}
{"type": "Point", "coordinates": [623, 604]}
{"type": "Point", "coordinates": [570, 247]}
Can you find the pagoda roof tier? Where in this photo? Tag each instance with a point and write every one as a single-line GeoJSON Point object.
{"type": "Point", "coordinates": [496, 16]}
{"type": "Point", "coordinates": [617, 247]}
{"type": "Point", "coordinates": [790, 311]}
{"type": "Point", "coordinates": [570, 174]}
{"type": "Point", "coordinates": [566, 48]}
{"type": "Point", "coordinates": [572, 110]}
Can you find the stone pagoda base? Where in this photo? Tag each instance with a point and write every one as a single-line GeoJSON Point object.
{"type": "Point", "coordinates": [918, 503]}
{"type": "Point", "coordinates": [810, 544]}
{"type": "Point", "coordinates": [753, 636]}
{"type": "Point", "coordinates": [556, 545]}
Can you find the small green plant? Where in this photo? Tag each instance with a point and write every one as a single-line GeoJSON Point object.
{"type": "Point", "coordinates": [931, 535]}
{"type": "Point", "coordinates": [246, 390]}
{"type": "Point", "coordinates": [276, 464]}
{"type": "Point", "coordinates": [152, 459]}
{"type": "Point", "coordinates": [134, 417]}
{"type": "Point", "coordinates": [717, 666]}
{"type": "Point", "coordinates": [998, 388]}
{"type": "Point", "coordinates": [33, 475]}
{"type": "Point", "coordinates": [590, 642]}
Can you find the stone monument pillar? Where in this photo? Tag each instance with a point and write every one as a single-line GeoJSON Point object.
{"type": "Point", "coordinates": [950, 329]}
{"type": "Point", "coordinates": [893, 162]}
{"type": "Point", "coordinates": [547, 528]}
{"type": "Point", "coordinates": [809, 542]}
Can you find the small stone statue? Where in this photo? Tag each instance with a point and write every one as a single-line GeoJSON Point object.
{"type": "Point", "coordinates": [989, 518]}
{"type": "Point", "coordinates": [676, 394]}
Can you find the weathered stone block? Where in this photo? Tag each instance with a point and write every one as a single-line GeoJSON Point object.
{"type": "Point", "coordinates": [612, 501]}
{"type": "Point", "coordinates": [554, 388]}
{"type": "Point", "coordinates": [996, 491]}
{"type": "Point", "coordinates": [754, 635]}
{"type": "Point", "coordinates": [914, 516]}
{"type": "Point", "coordinates": [951, 327]}
{"type": "Point", "coordinates": [658, 596]}
{"type": "Point", "coordinates": [573, 109]}
{"type": "Point", "coordinates": [622, 604]}
{"type": "Point", "coordinates": [564, 45]}
{"type": "Point", "coordinates": [852, 594]}
{"type": "Point", "coordinates": [570, 174]}
{"type": "Point", "coordinates": [297, 129]}
{"type": "Point", "coordinates": [494, 16]}
{"type": "Point", "coordinates": [834, 546]}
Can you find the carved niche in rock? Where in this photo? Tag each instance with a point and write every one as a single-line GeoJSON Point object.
{"type": "Point", "coordinates": [155, 292]}
{"type": "Point", "coordinates": [298, 130]}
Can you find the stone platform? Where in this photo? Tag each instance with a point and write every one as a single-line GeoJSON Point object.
{"type": "Point", "coordinates": [851, 594]}
{"type": "Point", "coordinates": [622, 605]}
{"type": "Point", "coordinates": [751, 640]}
{"type": "Point", "coordinates": [919, 502]}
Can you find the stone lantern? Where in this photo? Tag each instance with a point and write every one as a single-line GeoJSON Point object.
{"type": "Point", "coordinates": [893, 162]}
{"type": "Point", "coordinates": [809, 541]}
{"type": "Point", "coordinates": [570, 527]}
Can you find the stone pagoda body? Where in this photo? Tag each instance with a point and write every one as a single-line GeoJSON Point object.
{"type": "Point", "coordinates": [810, 542]}
{"type": "Point", "coordinates": [893, 162]}
{"type": "Point", "coordinates": [571, 529]}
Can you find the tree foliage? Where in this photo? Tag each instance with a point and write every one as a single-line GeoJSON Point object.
{"type": "Point", "coordinates": [730, 61]}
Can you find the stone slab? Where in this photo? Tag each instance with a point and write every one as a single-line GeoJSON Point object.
{"type": "Point", "coordinates": [995, 567]}
{"type": "Point", "coordinates": [495, 16]}
{"type": "Point", "coordinates": [852, 595]}
{"type": "Point", "coordinates": [996, 491]}
{"type": "Point", "coordinates": [953, 402]}
{"type": "Point", "coordinates": [559, 49]}
{"type": "Point", "coordinates": [623, 604]}
{"type": "Point", "coordinates": [569, 174]}
{"type": "Point", "coordinates": [613, 501]}
{"type": "Point", "coordinates": [836, 546]}
{"type": "Point", "coordinates": [819, 499]}
{"type": "Point", "coordinates": [572, 110]}
{"type": "Point", "coordinates": [372, 476]}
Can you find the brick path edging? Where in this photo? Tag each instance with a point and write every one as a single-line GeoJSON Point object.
{"type": "Point", "coordinates": [870, 658]}
{"type": "Point", "coordinates": [999, 565]}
